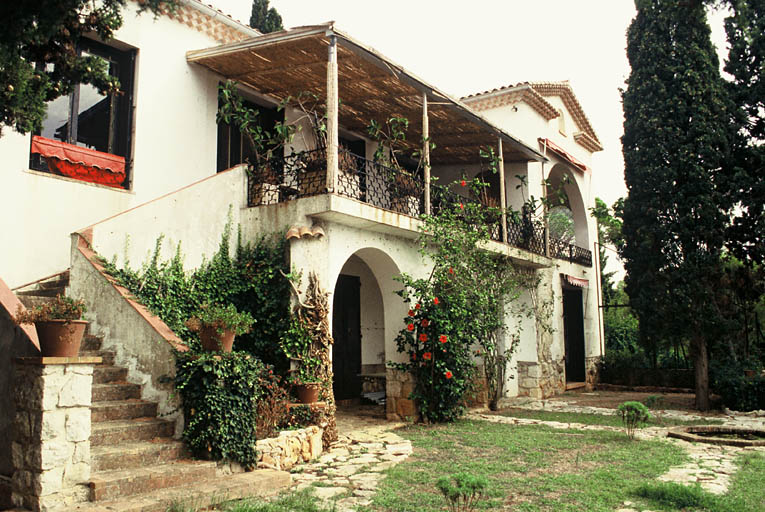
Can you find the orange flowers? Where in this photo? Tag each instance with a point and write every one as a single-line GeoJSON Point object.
{"type": "Point", "coordinates": [435, 301]}
{"type": "Point", "coordinates": [425, 322]}
{"type": "Point", "coordinates": [410, 327]}
{"type": "Point", "coordinates": [417, 306]}
{"type": "Point", "coordinates": [427, 356]}
{"type": "Point", "coordinates": [462, 206]}
{"type": "Point", "coordinates": [411, 312]}
{"type": "Point", "coordinates": [442, 338]}
{"type": "Point", "coordinates": [462, 183]}
{"type": "Point", "coordinates": [451, 270]}
{"type": "Point", "coordinates": [414, 357]}
{"type": "Point", "coordinates": [448, 374]}
{"type": "Point", "coordinates": [423, 337]}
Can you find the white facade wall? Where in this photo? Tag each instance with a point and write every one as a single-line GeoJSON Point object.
{"type": "Point", "coordinates": [174, 144]}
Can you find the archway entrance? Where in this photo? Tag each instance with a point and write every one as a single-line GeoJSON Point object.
{"type": "Point", "coordinates": [346, 331]}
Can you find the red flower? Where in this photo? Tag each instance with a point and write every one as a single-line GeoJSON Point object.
{"type": "Point", "coordinates": [410, 327]}
{"type": "Point", "coordinates": [448, 374]}
{"type": "Point", "coordinates": [414, 357]}
{"type": "Point", "coordinates": [427, 355]}
{"type": "Point", "coordinates": [425, 322]}
{"type": "Point", "coordinates": [411, 312]}
{"type": "Point", "coordinates": [435, 301]}
{"type": "Point", "coordinates": [442, 338]}
{"type": "Point", "coordinates": [451, 270]}
{"type": "Point", "coordinates": [462, 183]}
{"type": "Point", "coordinates": [423, 337]}
{"type": "Point", "coordinates": [462, 206]}
{"type": "Point", "coordinates": [417, 306]}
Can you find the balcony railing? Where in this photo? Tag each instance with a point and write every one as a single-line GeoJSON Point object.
{"type": "Point", "coordinates": [304, 174]}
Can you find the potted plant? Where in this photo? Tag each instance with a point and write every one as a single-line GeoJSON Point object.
{"type": "Point", "coordinates": [304, 375]}
{"type": "Point", "coordinates": [59, 326]}
{"type": "Point", "coordinates": [218, 324]}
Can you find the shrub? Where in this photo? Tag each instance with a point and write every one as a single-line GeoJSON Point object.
{"type": "Point", "coordinates": [738, 391]}
{"type": "Point", "coordinates": [272, 406]}
{"type": "Point", "coordinates": [634, 415]}
{"type": "Point", "coordinates": [61, 308]}
{"type": "Point", "coordinates": [462, 490]}
{"type": "Point", "coordinates": [220, 392]}
{"type": "Point", "coordinates": [222, 318]}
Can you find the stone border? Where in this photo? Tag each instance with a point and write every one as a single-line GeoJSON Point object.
{"type": "Point", "coordinates": [689, 434]}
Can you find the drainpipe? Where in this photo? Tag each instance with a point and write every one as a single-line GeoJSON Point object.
{"type": "Point", "coordinates": [544, 206]}
{"type": "Point", "coordinates": [426, 151]}
{"type": "Point", "coordinates": [502, 194]}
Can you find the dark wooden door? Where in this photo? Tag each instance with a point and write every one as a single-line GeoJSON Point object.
{"type": "Point", "coordinates": [346, 330]}
{"type": "Point", "coordinates": [573, 334]}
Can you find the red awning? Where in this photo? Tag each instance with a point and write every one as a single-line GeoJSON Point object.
{"type": "Point", "coordinates": [563, 154]}
{"type": "Point", "coordinates": [575, 281]}
{"type": "Point", "coordinates": [77, 155]}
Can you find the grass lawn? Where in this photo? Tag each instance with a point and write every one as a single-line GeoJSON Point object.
{"type": "Point", "coordinates": [600, 419]}
{"type": "Point", "coordinates": [530, 468]}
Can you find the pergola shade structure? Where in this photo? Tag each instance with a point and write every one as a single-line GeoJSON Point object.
{"type": "Point", "coordinates": [370, 86]}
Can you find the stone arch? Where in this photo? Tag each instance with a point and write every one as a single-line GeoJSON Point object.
{"type": "Point", "coordinates": [562, 182]}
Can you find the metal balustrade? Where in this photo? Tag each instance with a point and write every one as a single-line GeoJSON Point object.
{"type": "Point", "coordinates": [304, 174]}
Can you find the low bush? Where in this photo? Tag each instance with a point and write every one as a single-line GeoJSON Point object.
{"type": "Point", "coordinates": [462, 491]}
{"type": "Point", "coordinates": [739, 392]}
{"type": "Point", "coordinates": [634, 415]}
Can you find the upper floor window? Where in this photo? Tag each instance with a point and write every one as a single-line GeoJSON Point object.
{"type": "Point", "coordinates": [235, 147]}
{"type": "Point", "coordinates": [86, 135]}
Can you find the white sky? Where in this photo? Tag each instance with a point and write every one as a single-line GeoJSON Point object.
{"type": "Point", "coordinates": [470, 46]}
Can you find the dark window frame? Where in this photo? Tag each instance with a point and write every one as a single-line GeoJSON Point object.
{"type": "Point", "coordinates": [122, 120]}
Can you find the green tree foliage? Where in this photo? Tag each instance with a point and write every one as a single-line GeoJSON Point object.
{"type": "Point", "coordinates": [609, 233]}
{"type": "Point", "coordinates": [676, 141]}
{"type": "Point", "coordinates": [38, 57]}
{"type": "Point", "coordinates": [263, 18]}
{"type": "Point", "coordinates": [745, 29]}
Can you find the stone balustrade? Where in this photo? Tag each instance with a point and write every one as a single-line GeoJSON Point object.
{"type": "Point", "coordinates": [51, 445]}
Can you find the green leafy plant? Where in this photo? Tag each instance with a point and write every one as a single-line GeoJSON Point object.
{"type": "Point", "coordinates": [634, 415]}
{"type": "Point", "coordinates": [296, 344]}
{"type": "Point", "coordinates": [61, 308]}
{"type": "Point", "coordinates": [462, 491]}
{"type": "Point", "coordinates": [222, 318]}
{"type": "Point", "coordinates": [220, 393]}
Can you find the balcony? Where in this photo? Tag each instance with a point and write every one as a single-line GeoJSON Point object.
{"type": "Point", "coordinates": [304, 174]}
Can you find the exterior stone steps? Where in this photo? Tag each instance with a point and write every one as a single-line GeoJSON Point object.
{"type": "Point", "coordinates": [120, 431]}
{"type": "Point", "coordinates": [138, 454]}
{"type": "Point", "coordinates": [110, 485]}
{"type": "Point", "coordinates": [115, 391]}
{"type": "Point", "coordinates": [122, 410]}
{"type": "Point", "coordinates": [261, 482]}
{"type": "Point", "coordinates": [107, 356]}
{"type": "Point", "coordinates": [107, 374]}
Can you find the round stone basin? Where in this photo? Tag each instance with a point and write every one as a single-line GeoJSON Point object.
{"type": "Point", "coordinates": [718, 434]}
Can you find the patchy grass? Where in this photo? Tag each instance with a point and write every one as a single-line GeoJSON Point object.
{"type": "Point", "coordinates": [600, 419]}
{"type": "Point", "coordinates": [529, 468]}
{"type": "Point", "coordinates": [301, 501]}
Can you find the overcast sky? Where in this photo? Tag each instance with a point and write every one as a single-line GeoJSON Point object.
{"type": "Point", "coordinates": [470, 46]}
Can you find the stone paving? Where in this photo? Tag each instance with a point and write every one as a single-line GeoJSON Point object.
{"type": "Point", "coordinates": [347, 475]}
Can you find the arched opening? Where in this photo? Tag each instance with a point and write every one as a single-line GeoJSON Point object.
{"type": "Point", "coordinates": [363, 306]}
{"type": "Point", "coordinates": [567, 215]}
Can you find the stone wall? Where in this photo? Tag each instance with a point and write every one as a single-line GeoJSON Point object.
{"type": "Point", "coordinates": [51, 445]}
{"type": "Point", "coordinates": [591, 367]}
{"type": "Point", "coordinates": [289, 448]}
{"type": "Point", "coordinates": [543, 380]}
{"type": "Point", "coordinates": [398, 405]}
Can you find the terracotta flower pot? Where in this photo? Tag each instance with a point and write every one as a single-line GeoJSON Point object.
{"type": "Point", "coordinates": [213, 341]}
{"type": "Point", "coordinates": [307, 393]}
{"type": "Point", "coordinates": [60, 338]}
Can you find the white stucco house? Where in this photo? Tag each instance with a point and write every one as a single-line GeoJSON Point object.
{"type": "Point", "coordinates": [121, 171]}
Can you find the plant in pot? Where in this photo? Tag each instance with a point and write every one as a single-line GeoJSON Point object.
{"type": "Point", "coordinates": [217, 326]}
{"type": "Point", "coordinates": [59, 326]}
{"type": "Point", "coordinates": [297, 344]}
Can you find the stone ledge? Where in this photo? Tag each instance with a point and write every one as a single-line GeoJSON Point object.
{"type": "Point", "coordinates": [42, 361]}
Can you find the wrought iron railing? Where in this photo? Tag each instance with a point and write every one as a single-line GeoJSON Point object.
{"type": "Point", "coordinates": [379, 185]}
{"type": "Point", "coordinates": [564, 250]}
{"type": "Point", "coordinates": [288, 177]}
{"type": "Point", "coordinates": [525, 233]}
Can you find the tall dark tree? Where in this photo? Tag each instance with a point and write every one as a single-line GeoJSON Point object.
{"type": "Point", "coordinates": [676, 141]}
{"type": "Point", "coordinates": [38, 53]}
{"type": "Point", "coordinates": [745, 29]}
{"type": "Point", "coordinates": [263, 18]}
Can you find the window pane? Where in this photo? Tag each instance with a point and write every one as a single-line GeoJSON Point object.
{"type": "Point", "coordinates": [94, 119]}
{"type": "Point", "coordinates": [56, 123]}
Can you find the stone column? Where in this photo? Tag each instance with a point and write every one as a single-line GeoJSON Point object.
{"type": "Point", "coordinates": [51, 445]}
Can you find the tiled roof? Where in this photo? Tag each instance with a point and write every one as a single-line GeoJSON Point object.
{"type": "Point", "coordinates": [513, 93]}
{"type": "Point", "coordinates": [211, 22]}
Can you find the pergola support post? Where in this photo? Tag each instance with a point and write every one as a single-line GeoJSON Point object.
{"type": "Point", "coordinates": [426, 151]}
{"type": "Point", "coordinates": [502, 194]}
{"type": "Point", "coordinates": [332, 116]}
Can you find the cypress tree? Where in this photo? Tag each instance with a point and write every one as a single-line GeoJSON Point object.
{"type": "Point", "coordinates": [676, 142]}
{"type": "Point", "coordinates": [263, 18]}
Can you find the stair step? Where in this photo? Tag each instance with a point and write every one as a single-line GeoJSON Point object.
{"type": "Point", "coordinates": [139, 454]}
{"type": "Point", "coordinates": [120, 431]}
{"type": "Point", "coordinates": [40, 292]}
{"type": "Point", "coordinates": [91, 342]}
{"type": "Point", "coordinates": [108, 485]}
{"type": "Point", "coordinates": [261, 482]}
{"type": "Point", "coordinates": [107, 356]}
{"type": "Point", "coordinates": [33, 302]}
{"type": "Point", "coordinates": [107, 374]}
{"type": "Point", "coordinates": [122, 410]}
{"type": "Point", "coordinates": [115, 391]}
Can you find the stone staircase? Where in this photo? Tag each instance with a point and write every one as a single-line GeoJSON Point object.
{"type": "Point", "coordinates": [136, 464]}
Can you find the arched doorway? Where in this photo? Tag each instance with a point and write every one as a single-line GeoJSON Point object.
{"type": "Point", "coordinates": [567, 215]}
{"type": "Point", "coordinates": [363, 304]}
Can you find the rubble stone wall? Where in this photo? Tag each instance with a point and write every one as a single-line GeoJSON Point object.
{"type": "Point", "coordinates": [289, 448]}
